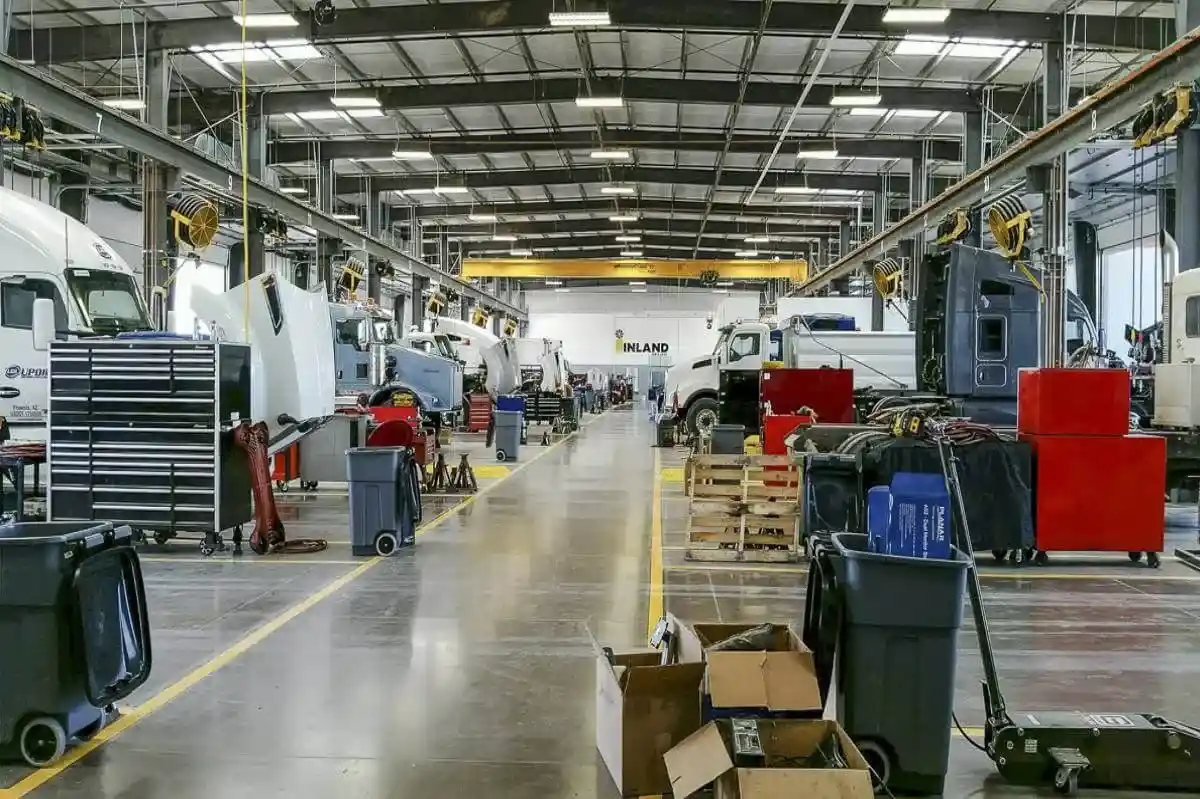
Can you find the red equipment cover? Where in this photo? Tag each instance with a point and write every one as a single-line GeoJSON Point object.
{"type": "Point", "coordinates": [776, 428]}
{"type": "Point", "coordinates": [1073, 402]}
{"type": "Point", "coordinates": [829, 392]}
{"type": "Point", "coordinates": [1099, 492]}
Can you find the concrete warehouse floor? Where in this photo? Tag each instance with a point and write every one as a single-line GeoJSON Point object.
{"type": "Point", "coordinates": [465, 668]}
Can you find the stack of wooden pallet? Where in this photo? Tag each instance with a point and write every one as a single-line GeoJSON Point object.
{"type": "Point", "coordinates": [743, 508]}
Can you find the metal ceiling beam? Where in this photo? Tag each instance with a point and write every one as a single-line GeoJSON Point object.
{"type": "Point", "coordinates": [731, 179]}
{"type": "Point", "coordinates": [295, 151]}
{"type": "Point", "coordinates": [74, 108]}
{"type": "Point", "coordinates": [505, 17]}
{"type": "Point", "coordinates": [677, 208]}
{"type": "Point", "coordinates": [565, 90]}
{"type": "Point", "coordinates": [648, 226]}
{"type": "Point", "coordinates": [1104, 109]}
{"type": "Point", "coordinates": [652, 246]}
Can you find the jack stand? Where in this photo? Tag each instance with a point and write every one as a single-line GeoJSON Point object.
{"type": "Point", "coordinates": [439, 480]}
{"type": "Point", "coordinates": [1068, 749]}
{"type": "Point", "coordinates": [546, 439]}
{"type": "Point", "coordinates": [462, 477]}
{"type": "Point", "coordinates": [237, 540]}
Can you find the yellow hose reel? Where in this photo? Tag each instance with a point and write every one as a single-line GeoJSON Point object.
{"type": "Point", "coordinates": [954, 227]}
{"type": "Point", "coordinates": [887, 276]}
{"type": "Point", "coordinates": [1010, 222]}
{"type": "Point", "coordinates": [196, 221]}
{"type": "Point", "coordinates": [1163, 116]}
{"type": "Point", "coordinates": [479, 317]}
{"type": "Point", "coordinates": [510, 327]}
{"type": "Point", "coordinates": [350, 276]}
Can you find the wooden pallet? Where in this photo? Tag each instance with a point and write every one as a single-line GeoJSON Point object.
{"type": "Point", "coordinates": [743, 508]}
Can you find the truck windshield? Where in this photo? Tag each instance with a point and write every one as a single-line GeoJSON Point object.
{"type": "Point", "coordinates": [109, 302]}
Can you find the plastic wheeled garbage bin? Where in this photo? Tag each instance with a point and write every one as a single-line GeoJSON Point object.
{"type": "Point", "coordinates": [728, 439]}
{"type": "Point", "coordinates": [385, 499]}
{"type": "Point", "coordinates": [898, 619]}
{"type": "Point", "coordinates": [508, 435]}
{"type": "Point", "coordinates": [75, 630]}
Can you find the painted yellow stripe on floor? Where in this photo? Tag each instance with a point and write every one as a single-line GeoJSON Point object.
{"type": "Point", "coordinates": [197, 675]}
{"type": "Point", "coordinates": [672, 474]}
{"type": "Point", "coordinates": [654, 606]}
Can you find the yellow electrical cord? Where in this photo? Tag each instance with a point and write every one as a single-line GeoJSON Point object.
{"type": "Point", "coordinates": [245, 129]}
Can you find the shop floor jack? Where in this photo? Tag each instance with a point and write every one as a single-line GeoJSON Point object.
{"type": "Point", "coordinates": [1070, 750]}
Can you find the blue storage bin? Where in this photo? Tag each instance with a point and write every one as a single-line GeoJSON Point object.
{"type": "Point", "coordinates": [511, 402]}
{"type": "Point", "coordinates": [879, 518]}
{"type": "Point", "coordinates": [920, 517]}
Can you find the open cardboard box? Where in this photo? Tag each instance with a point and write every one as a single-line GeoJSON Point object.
{"type": "Point", "coordinates": [782, 678]}
{"type": "Point", "coordinates": [705, 757]}
{"type": "Point", "coordinates": [642, 710]}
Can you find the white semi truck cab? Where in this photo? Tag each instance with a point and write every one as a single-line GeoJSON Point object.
{"type": "Point", "coordinates": [45, 254]}
{"type": "Point", "coordinates": [879, 359]}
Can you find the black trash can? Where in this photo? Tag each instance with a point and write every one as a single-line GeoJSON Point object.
{"type": "Point", "coordinates": [76, 631]}
{"type": "Point", "coordinates": [894, 622]}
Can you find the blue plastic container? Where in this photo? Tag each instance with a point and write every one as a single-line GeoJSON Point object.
{"type": "Point", "coordinates": [511, 402]}
{"type": "Point", "coordinates": [879, 518]}
{"type": "Point", "coordinates": [920, 519]}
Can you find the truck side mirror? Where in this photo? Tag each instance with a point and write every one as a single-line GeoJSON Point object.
{"type": "Point", "coordinates": [43, 324]}
{"type": "Point", "coordinates": [364, 335]}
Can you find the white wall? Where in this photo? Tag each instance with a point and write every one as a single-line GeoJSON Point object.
{"type": "Point", "coordinates": [1130, 290]}
{"type": "Point", "coordinates": [587, 322]}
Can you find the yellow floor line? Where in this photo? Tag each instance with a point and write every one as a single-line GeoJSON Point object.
{"type": "Point", "coordinates": [672, 474]}
{"type": "Point", "coordinates": [654, 606]}
{"type": "Point", "coordinates": [197, 675]}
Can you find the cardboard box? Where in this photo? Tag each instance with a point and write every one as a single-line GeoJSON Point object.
{"type": "Point", "coordinates": [705, 757]}
{"type": "Point", "coordinates": [642, 710]}
{"type": "Point", "coordinates": [781, 678]}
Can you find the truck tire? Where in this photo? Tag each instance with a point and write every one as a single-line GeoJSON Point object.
{"type": "Point", "coordinates": [702, 415]}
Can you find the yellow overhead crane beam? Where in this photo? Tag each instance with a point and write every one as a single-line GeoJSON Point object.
{"type": "Point", "coordinates": [637, 268]}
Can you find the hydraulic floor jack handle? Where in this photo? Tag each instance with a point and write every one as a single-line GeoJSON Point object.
{"type": "Point", "coordinates": [991, 680]}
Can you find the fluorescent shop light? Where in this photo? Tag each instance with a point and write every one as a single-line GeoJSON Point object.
{"type": "Point", "coordinates": [355, 102]}
{"type": "Point", "coordinates": [855, 99]}
{"type": "Point", "coordinates": [579, 19]}
{"type": "Point", "coordinates": [599, 102]}
{"type": "Point", "coordinates": [910, 16]}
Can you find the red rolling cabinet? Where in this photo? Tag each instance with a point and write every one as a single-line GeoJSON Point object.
{"type": "Point", "coordinates": [829, 392]}
{"type": "Point", "coordinates": [1073, 402]}
{"type": "Point", "coordinates": [776, 428]}
{"type": "Point", "coordinates": [1100, 493]}
{"type": "Point", "coordinates": [479, 412]}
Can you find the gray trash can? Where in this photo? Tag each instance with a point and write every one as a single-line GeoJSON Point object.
{"type": "Point", "coordinates": [898, 653]}
{"type": "Point", "coordinates": [508, 435]}
{"type": "Point", "coordinates": [385, 499]}
{"type": "Point", "coordinates": [76, 630]}
{"type": "Point", "coordinates": [728, 439]}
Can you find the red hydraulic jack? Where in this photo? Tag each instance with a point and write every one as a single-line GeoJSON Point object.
{"type": "Point", "coordinates": [1068, 750]}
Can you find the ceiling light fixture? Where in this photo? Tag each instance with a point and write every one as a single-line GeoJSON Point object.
{"type": "Point", "coordinates": [482, 217]}
{"type": "Point", "coordinates": [628, 239]}
{"type": "Point", "coordinates": [746, 254]}
{"type": "Point", "coordinates": [126, 104]}
{"type": "Point", "coordinates": [266, 20]}
{"type": "Point", "coordinates": [346, 217]}
{"type": "Point", "coordinates": [638, 291]}
{"type": "Point", "coordinates": [855, 99]}
{"type": "Point", "coordinates": [504, 237]}
{"type": "Point", "coordinates": [622, 190]}
{"type": "Point", "coordinates": [435, 190]}
{"type": "Point", "coordinates": [868, 112]}
{"type": "Point", "coordinates": [293, 190]}
{"type": "Point", "coordinates": [908, 16]}
{"type": "Point", "coordinates": [720, 291]}
{"type": "Point", "coordinates": [611, 155]}
{"type": "Point", "coordinates": [354, 102]}
{"type": "Point", "coordinates": [365, 113]}
{"type": "Point", "coordinates": [756, 239]}
{"type": "Point", "coordinates": [320, 116]}
{"type": "Point", "coordinates": [823, 154]}
{"type": "Point", "coordinates": [623, 218]}
{"type": "Point", "coordinates": [521, 252]}
{"type": "Point", "coordinates": [637, 282]}
{"type": "Point", "coordinates": [579, 19]}
{"type": "Point", "coordinates": [562, 291]}
{"type": "Point", "coordinates": [631, 253]}
{"type": "Point", "coordinates": [725, 283]}
{"type": "Point", "coordinates": [795, 190]}
{"type": "Point", "coordinates": [412, 155]}
{"type": "Point", "coordinates": [553, 282]}
{"type": "Point", "coordinates": [599, 102]}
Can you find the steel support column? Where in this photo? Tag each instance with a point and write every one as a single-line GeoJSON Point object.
{"type": "Point", "coordinates": [842, 286]}
{"type": "Point", "coordinates": [879, 220]}
{"type": "Point", "coordinates": [1054, 218]}
{"type": "Point", "coordinates": [157, 181]}
{"type": "Point", "coordinates": [256, 163]}
{"type": "Point", "coordinates": [915, 251]}
{"type": "Point", "coordinates": [1187, 163]}
{"type": "Point", "coordinates": [973, 160]}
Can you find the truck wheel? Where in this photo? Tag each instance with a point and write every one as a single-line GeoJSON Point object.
{"type": "Point", "coordinates": [702, 415]}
